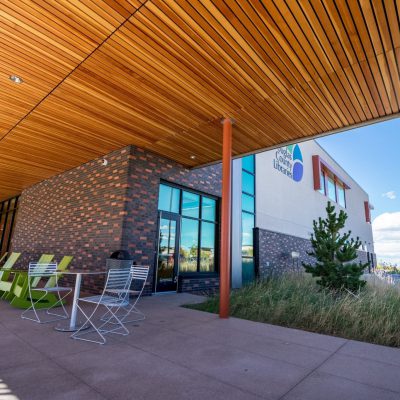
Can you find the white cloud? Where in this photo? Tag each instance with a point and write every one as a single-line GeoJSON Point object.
{"type": "Point", "coordinates": [390, 195]}
{"type": "Point", "coordinates": [386, 228]}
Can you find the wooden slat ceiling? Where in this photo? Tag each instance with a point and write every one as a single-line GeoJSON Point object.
{"type": "Point", "coordinates": [101, 74]}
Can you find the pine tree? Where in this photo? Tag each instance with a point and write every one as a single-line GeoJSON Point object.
{"type": "Point", "coordinates": [334, 253]}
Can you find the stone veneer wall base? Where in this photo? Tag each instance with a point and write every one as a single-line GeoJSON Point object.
{"type": "Point", "coordinates": [273, 253]}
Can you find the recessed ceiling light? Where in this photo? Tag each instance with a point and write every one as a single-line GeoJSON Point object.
{"type": "Point", "coordinates": [16, 79]}
{"type": "Point", "coordinates": [192, 157]}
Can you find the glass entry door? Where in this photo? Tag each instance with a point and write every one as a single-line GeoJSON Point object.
{"type": "Point", "coordinates": [168, 252]}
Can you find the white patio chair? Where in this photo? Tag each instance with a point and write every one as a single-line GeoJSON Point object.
{"type": "Point", "coordinates": [36, 272]}
{"type": "Point", "coordinates": [139, 274]}
{"type": "Point", "coordinates": [114, 296]}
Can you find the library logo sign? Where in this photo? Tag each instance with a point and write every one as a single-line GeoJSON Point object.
{"type": "Point", "coordinates": [289, 161]}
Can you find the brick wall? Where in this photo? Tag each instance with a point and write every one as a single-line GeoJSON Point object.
{"type": "Point", "coordinates": [202, 286]}
{"type": "Point", "coordinates": [145, 172]}
{"type": "Point", "coordinates": [79, 212]}
{"type": "Point", "coordinates": [273, 252]}
{"type": "Point", "coordinates": [93, 210]}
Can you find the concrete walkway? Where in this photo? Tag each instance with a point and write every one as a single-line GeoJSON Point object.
{"type": "Point", "coordinates": [183, 354]}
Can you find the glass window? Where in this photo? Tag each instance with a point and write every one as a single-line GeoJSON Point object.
{"type": "Point", "coordinates": [208, 210]}
{"type": "Point", "coordinates": [247, 182]}
{"type": "Point", "coordinates": [167, 236]}
{"type": "Point", "coordinates": [248, 163]}
{"type": "Point", "coordinates": [196, 254]}
{"type": "Point", "coordinates": [248, 271]}
{"type": "Point", "coordinates": [322, 180]}
{"type": "Point", "coordinates": [168, 199]}
{"type": "Point", "coordinates": [247, 203]}
{"type": "Point", "coordinates": [248, 218]}
{"type": "Point", "coordinates": [189, 245]}
{"type": "Point", "coordinates": [207, 253]}
{"type": "Point", "coordinates": [331, 188]}
{"type": "Point", "coordinates": [341, 195]}
{"type": "Point", "coordinates": [247, 234]}
{"type": "Point", "coordinates": [190, 204]}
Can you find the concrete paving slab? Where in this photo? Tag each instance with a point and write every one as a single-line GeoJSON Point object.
{"type": "Point", "coordinates": [178, 353]}
{"type": "Point", "coordinates": [321, 386]}
{"type": "Point", "coordinates": [258, 375]}
{"type": "Point", "coordinates": [304, 338]}
{"type": "Point", "coordinates": [29, 374]}
{"type": "Point", "coordinates": [140, 375]}
{"type": "Point", "coordinates": [374, 373]}
{"type": "Point", "coordinates": [304, 356]}
{"type": "Point", "coordinates": [14, 352]}
{"type": "Point", "coordinates": [65, 387]}
{"type": "Point", "coordinates": [373, 352]}
{"type": "Point", "coordinates": [47, 341]}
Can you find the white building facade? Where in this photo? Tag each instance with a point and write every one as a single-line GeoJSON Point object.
{"type": "Point", "coordinates": [290, 187]}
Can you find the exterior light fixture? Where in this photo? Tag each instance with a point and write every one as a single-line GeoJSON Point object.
{"type": "Point", "coordinates": [16, 79]}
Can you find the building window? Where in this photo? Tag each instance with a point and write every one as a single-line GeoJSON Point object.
{"type": "Point", "coordinates": [168, 199]}
{"type": "Point", "coordinates": [199, 227]}
{"type": "Point", "coordinates": [248, 218]}
{"type": "Point", "coordinates": [367, 208]}
{"type": "Point", "coordinates": [8, 212]}
{"type": "Point", "coordinates": [331, 190]}
{"type": "Point", "coordinates": [322, 180]}
{"type": "Point", "coordinates": [190, 204]}
{"type": "Point", "coordinates": [328, 183]}
{"type": "Point", "coordinates": [341, 195]}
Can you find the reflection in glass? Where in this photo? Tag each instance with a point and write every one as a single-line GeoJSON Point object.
{"type": "Point", "coordinates": [190, 204]}
{"type": "Point", "coordinates": [331, 188]}
{"type": "Point", "coordinates": [248, 274]}
{"type": "Point", "coordinates": [322, 179]}
{"type": "Point", "coordinates": [166, 259]}
{"type": "Point", "coordinates": [341, 195]}
{"type": "Point", "coordinates": [247, 182]}
{"type": "Point", "coordinates": [247, 203]}
{"type": "Point", "coordinates": [208, 210]}
{"type": "Point", "coordinates": [187, 204]}
{"type": "Point", "coordinates": [248, 163]}
{"type": "Point", "coordinates": [168, 199]}
{"type": "Point", "coordinates": [207, 254]}
{"type": "Point", "coordinates": [247, 234]}
{"type": "Point", "coordinates": [189, 245]}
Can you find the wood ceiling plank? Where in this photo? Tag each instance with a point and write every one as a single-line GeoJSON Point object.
{"type": "Point", "coordinates": [43, 43]}
{"type": "Point", "coordinates": [317, 54]}
{"type": "Point", "coordinates": [324, 29]}
{"type": "Point", "coordinates": [163, 80]}
{"type": "Point", "coordinates": [199, 54]}
{"type": "Point", "coordinates": [289, 41]}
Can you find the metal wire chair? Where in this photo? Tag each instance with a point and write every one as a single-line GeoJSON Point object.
{"type": "Point", "coordinates": [37, 272]}
{"type": "Point", "coordinates": [139, 275]}
{"type": "Point", "coordinates": [115, 295]}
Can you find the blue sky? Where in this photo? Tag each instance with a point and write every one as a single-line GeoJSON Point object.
{"type": "Point", "coordinates": [371, 156]}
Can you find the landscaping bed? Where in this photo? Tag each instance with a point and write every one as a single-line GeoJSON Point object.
{"type": "Point", "coordinates": [296, 301]}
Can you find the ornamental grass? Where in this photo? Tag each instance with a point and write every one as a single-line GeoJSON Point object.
{"type": "Point", "coordinates": [296, 301]}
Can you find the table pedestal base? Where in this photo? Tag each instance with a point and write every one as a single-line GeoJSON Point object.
{"type": "Point", "coordinates": [67, 328]}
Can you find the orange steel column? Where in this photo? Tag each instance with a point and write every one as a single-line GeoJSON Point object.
{"type": "Point", "coordinates": [225, 272]}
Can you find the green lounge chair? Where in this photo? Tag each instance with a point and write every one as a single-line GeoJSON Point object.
{"type": "Point", "coordinates": [21, 297]}
{"type": "Point", "coordinates": [5, 273]}
{"type": "Point", "coordinates": [17, 284]}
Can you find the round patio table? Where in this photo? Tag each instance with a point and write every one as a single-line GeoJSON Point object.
{"type": "Point", "coordinates": [73, 326]}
